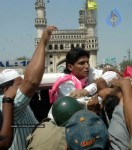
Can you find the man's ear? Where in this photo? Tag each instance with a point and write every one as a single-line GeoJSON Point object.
{"type": "Point", "coordinates": [70, 67]}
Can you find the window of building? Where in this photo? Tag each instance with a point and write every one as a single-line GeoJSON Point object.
{"type": "Point", "coordinates": [50, 47]}
{"type": "Point", "coordinates": [61, 46]}
{"type": "Point", "coordinates": [56, 46]}
{"type": "Point", "coordinates": [67, 45]}
{"type": "Point", "coordinates": [83, 46]}
{"type": "Point", "coordinates": [72, 46]}
{"type": "Point", "coordinates": [77, 45]}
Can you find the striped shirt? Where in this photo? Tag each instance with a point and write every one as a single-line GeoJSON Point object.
{"type": "Point", "coordinates": [24, 121]}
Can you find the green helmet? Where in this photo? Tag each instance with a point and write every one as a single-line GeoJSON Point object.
{"type": "Point", "coordinates": [64, 108]}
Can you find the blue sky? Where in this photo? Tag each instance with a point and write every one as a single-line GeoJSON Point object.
{"type": "Point", "coordinates": [17, 31]}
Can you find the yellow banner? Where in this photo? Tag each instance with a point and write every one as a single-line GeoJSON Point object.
{"type": "Point", "coordinates": [92, 5]}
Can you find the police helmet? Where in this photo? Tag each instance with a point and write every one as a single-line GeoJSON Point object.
{"type": "Point", "coordinates": [64, 108]}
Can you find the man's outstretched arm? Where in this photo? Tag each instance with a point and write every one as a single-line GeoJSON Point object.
{"type": "Point", "coordinates": [35, 68]}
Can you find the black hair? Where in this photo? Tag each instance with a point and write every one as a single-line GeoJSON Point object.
{"type": "Point", "coordinates": [110, 104]}
{"type": "Point", "coordinates": [73, 55]}
{"type": "Point", "coordinates": [5, 85]}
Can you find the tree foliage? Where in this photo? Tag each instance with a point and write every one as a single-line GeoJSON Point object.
{"type": "Point", "coordinates": [22, 58]}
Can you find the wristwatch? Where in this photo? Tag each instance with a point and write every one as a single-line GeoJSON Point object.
{"type": "Point", "coordinates": [7, 100]}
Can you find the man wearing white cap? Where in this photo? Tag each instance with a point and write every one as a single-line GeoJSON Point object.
{"type": "Point", "coordinates": [24, 119]}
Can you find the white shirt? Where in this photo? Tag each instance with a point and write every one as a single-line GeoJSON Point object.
{"type": "Point", "coordinates": [67, 87]}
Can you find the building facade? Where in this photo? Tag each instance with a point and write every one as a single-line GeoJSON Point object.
{"type": "Point", "coordinates": [63, 40]}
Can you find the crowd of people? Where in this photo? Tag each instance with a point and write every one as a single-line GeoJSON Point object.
{"type": "Point", "coordinates": [78, 118]}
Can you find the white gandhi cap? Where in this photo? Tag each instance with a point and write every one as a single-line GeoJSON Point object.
{"type": "Point", "coordinates": [8, 75]}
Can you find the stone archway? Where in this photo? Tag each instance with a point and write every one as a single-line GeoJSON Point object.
{"type": "Point", "coordinates": [61, 66]}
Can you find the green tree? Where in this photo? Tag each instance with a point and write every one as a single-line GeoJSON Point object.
{"type": "Point", "coordinates": [22, 58]}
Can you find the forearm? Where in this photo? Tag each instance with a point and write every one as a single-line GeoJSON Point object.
{"type": "Point", "coordinates": [91, 89]}
{"type": "Point", "coordinates": [98, 85]}
{"type": "Point", "coordinates": [127, 101]}
{"type": "Point", "coordinates": [36, 66]}
{"type": "Point", "coordinates": [35, 69]}
{"type": "Point", "coordinates": [7, 131]}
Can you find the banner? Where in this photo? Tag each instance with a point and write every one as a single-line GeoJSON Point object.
{"type": "Point", "coordinates": [14, 63]}
{"type": "Point", "coordinates": [92, 5]}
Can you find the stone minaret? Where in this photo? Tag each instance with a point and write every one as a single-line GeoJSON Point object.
{"type": "Point", "coordinates": [40, 21]}
{"type": "Point", "coordinates": [91, 43]}
{"type": "Point", "coordinates": [82, 19]}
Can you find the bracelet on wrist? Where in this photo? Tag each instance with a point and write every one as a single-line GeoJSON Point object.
{"type": "Point", "coordinates": [7, 100]}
